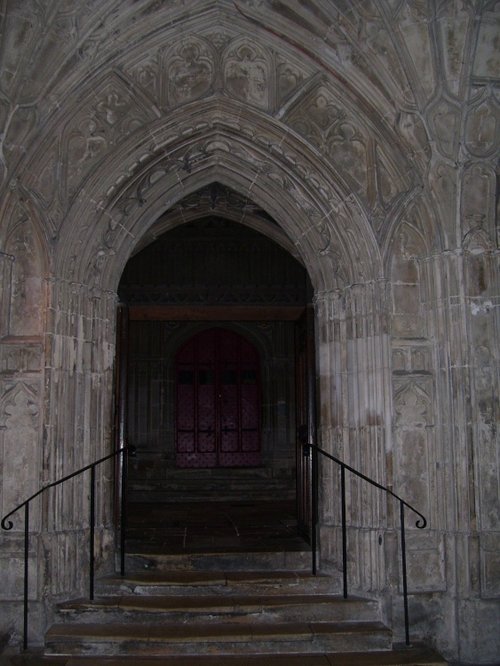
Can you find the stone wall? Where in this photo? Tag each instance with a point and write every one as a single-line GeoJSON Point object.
{"type": "Point", "coordinates": [369, 133]}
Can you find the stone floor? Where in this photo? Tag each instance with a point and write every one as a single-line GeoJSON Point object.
{"type": "Point", "coordinates": [215, 526]}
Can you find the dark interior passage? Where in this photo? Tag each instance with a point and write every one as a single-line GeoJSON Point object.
{"type": "Point", "coordinates": [210, 356]}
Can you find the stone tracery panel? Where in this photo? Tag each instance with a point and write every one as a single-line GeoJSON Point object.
{"type": "Point", "coordinates": [146, 73]}
{"type": "Point", "coordinates": [482, 129]}
{"type": "Point", "coordinates": [406, 291]}
{"type": "Point", "coordinates": [19, 437]}
{"type": "Point", "coordinates": [413, 23]}
{"type": "Point", "coordinates": [189, 72]}
{"type": "Point", "coordinates": [445, 117]}
{"type": "Point", "coordinates": [247, 73]}
{"type": "Point", "coordinates": [290, 77]}
{"type": "Point", "coordinates": [26, 286]}
{"type": "Point", "coordinates": [106, 118]}
{"type": "Point", "coordinates": [478, 200]}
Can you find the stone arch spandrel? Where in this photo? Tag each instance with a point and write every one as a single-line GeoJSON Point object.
{"type": "Point", "coordinates": [256, 158]}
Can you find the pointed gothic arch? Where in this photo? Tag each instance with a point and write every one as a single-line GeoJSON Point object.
{"type": "Point", "coordinates": [279, 172]}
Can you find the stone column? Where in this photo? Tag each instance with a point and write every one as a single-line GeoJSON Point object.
{"type": "Point", "coordinates": [77, 431]}
{"type": "Point", "coordinates": [354, 409]}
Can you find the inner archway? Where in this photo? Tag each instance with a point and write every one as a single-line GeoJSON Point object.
{"type": "Point", "coordinates": [214, 311]}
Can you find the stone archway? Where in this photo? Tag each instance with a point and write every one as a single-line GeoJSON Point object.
{"type": "Point", "coordinates": [324, 222]}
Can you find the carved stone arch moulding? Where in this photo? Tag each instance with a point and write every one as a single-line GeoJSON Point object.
{"type": "Point", "coordinates": [148, 173]}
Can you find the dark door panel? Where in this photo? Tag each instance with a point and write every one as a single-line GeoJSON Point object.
{"type": "Point", "coordinates": [218, 401]}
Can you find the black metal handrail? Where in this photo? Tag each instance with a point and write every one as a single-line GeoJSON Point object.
{"type": "Point", "coordinates": [420, 523]}
{"type": "Point", "coordinates": [8, 525]}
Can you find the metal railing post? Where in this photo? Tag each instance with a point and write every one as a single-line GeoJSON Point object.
{"type": "Point", "coordinates": [344, 531]}
{"type": "Point", "coordinates": [26, 573]}
{"type": "Point", "coordinates": [403, 568]}
{"type": "Point", "coordinates": [123, 510]}
{"type": "Point", "coordinates": [314, 508]}
{"type": "Point", "coordinates": [92, 533]}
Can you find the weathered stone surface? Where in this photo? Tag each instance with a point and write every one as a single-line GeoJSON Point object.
{"type": "Point", "coordinates": [362, 137]}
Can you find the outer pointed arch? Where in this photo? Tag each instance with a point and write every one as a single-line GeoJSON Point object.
{"type": "Point", "coordinates": [241, 149]}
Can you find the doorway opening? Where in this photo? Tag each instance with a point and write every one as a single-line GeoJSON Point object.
{"type": "Point", "coordinates": [213, 334]}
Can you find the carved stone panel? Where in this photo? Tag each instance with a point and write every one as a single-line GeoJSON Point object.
{"type": "Point", "coordinates": [289, 78]}
{"type": "Point", "coordinates": [478, 200]}
{"type": "Point", "coordinates": [19, 433]}
{"type": "Point", "coordinates": [490, 566]}
{"type": "Point", "coordinates": [445, 118]}
{"type": "Point", "coordinates": [146, 73]}
{"type": "Point", "coordinates": [487, 55]}
{"type": "Point", "coordinates": [483, 128]}
{"type": "Point", "coordinates": [413, 442]}
{"type": "Point", "coordinates": [105, 119]}
{"type": "Point", "coordinates": [190, 71]}
{"type": "Point", "coordinates": [247, 73]}
{"type": "Point", "coordinates": [407, 320]}
{"type": "Point", "coordinates": [425, 560]}
{"type": "Point", "coordinates": [453, 24]}
{"type": "Point", "coordinates": [27, 291]}
{"type": "Point", "coordinates": [323, 120]}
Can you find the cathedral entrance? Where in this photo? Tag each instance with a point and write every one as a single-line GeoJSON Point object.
{"type": "Point", "coordinates": [217, 394]}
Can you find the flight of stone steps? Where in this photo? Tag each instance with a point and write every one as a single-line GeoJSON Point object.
{"type": "Point", "coordinates": [221, 594]}
{"type": "Point", "coordinates": [189, 610]}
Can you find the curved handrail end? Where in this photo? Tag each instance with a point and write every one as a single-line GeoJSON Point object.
{"type": "Point", "coordinates": [7, 524]}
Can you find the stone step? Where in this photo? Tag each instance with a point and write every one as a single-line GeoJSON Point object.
{"type": "Point", "coordinates": [414, 656]}
{"type": "Point", "coordinates": [254, 608]}
{"type": "Point", "coordinates": [176, 488]}
{"type": "Point", "coordinates": [221, 638]}
{"type": "Point", "coordinates": [207, 495]}
{"type": "Point", "coordinates": [219, 559]}
{"type": "Point", "coordinates": [148, 583]}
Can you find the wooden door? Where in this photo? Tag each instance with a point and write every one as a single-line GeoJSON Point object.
{"type": "Point", "coordinates": [218, 401]}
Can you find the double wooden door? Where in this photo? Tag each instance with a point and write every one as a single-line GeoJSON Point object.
{"type": "Point", "coordinates": [218, 401]}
